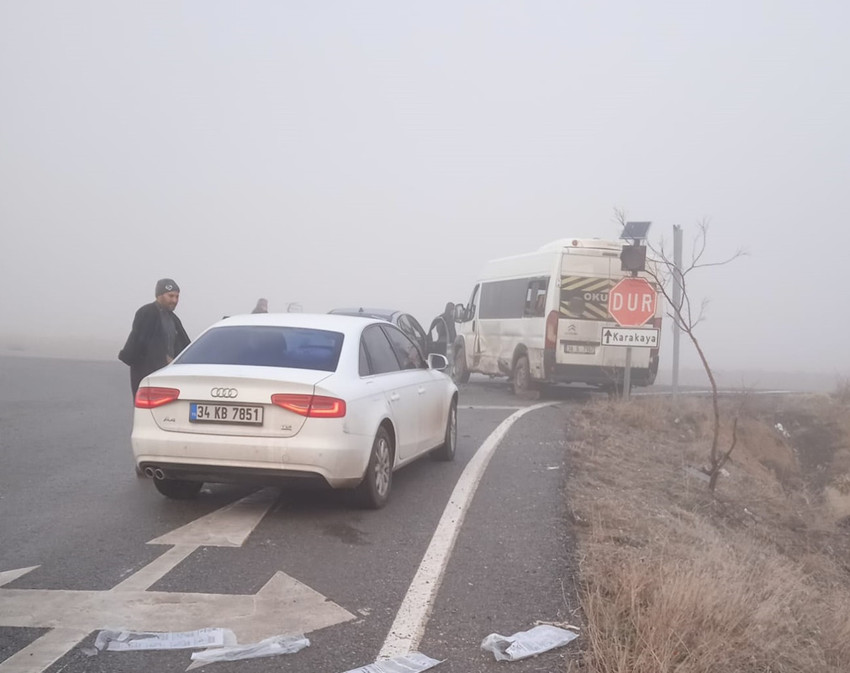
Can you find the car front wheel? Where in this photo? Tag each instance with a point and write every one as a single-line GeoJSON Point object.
{"type": "Point", "coordinates": [374, 491]}
{"type": "Point", "coordinates": [446, 451]}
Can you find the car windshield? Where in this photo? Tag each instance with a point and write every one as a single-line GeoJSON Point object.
{"type": "Point", "coordinates": [266, 346]}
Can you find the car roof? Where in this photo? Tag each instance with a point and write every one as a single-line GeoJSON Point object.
{"type": "Point", "coordinates": [379, 313]}
{"type": "Point", "coordinates": [336, 323]}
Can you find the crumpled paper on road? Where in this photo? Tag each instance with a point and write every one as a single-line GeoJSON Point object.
{"type": "Point", "coordinates": [415, 662]}
{"type": "Point", "coordinates": [120, 640]}
{"type": "Point", "coordinates": [269, 647]}
{"type": "Point", "coordinates": [522, 644]}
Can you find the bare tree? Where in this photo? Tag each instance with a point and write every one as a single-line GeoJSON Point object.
{"type": "Point", "coordinates": [687, 316]}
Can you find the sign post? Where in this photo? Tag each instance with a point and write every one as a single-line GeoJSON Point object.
{"type": "Point", "coordinates": [631, 302]}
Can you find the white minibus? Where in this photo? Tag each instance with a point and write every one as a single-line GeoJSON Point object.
{"type": "Point", "coordinates": [538, 318]}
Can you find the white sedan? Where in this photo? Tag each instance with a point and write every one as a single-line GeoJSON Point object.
{"type": "Point", "coordinates": [267, 397]}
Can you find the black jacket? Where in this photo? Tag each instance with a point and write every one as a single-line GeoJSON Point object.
{"type": "Point", "coordinates": [146, 347]}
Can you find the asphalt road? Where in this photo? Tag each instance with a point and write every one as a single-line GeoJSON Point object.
{"type": "Point", "coordinates": [73, 510]}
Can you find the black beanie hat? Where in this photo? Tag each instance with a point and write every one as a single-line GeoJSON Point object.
{"type": "Point", "coordinates": [166, 285]}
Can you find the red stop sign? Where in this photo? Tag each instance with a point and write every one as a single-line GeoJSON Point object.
{"type": "Point", "coordinates": [632, 302]}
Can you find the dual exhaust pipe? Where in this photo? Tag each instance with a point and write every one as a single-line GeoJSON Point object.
{"type": "Point", "coordinates": [154, 472]}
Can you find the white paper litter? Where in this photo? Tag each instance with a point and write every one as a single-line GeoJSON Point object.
{"type": "Point", "coordinates": [269, 647]}
{"type": "Point", "coordinates": [407, 663]}
{"type": "Point", "coordinates": [782, 431]}
{"type": "Point", "coordinates": [527, 643]}
{"type": "Point", "coordinates": [123, 641]}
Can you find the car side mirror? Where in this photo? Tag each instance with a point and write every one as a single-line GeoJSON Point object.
{"type": "Point", "coordinates": [460, 312]}
{"type": "Point", "coordinates": [438, 361]}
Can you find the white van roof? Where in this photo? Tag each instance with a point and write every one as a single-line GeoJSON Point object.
{"type": "Point", "coordinates": [597, 243]}
{"type": "Point", "coordinates": [541, 261]}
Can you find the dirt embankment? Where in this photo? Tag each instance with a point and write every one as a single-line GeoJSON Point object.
{"type": "Point", "coordinates": [752, 577]}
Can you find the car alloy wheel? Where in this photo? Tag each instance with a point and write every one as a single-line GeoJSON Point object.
{"type": "Point", "coordinates": [374, 491]}
{"type": "Point", "coordinates": [446, 451]}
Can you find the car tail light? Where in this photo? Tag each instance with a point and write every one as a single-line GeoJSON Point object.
{"type": "Point", "coordinates": [551, 330]}
{"type": "Point", "coordinates": [148, 398]}
{"type": "Point", "coordinates": [311, 406]}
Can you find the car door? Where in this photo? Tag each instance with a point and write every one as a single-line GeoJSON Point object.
{"type": "Point", "coordinates": [469, 331]}
{"type": "Point", "coordinates": [383, 369]}
{"type": "Point", "coordinates": [411, 327]}
{"type": "Point", "coordinates": [427, 387]}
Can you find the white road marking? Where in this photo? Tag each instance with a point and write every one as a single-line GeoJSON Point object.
{"type": "Point", "coordinates": [52, 646]}
{"type": "Point", "coordinates": [283, 605]}
{"type": "Point", "coordinates": [707, 391]}
{"type": "Point", "coordinates": [12, 575]}
{"type": "Point", "coordinates": [489, 406]}
{"type": "Point", "coordinates": [409, 625]}
{"type": "Point", "coordinates": [229, 526]}
{"type": "Point", "coordinates": [226, 527]}
{"type": "Point", "coordinates": [155, 570]}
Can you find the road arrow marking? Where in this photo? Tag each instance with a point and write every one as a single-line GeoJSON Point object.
{"type": "Point", "coordinates": [51, 646]}
{"type": "Point", "coordinates": [11, 575]}
{"type": "Point", "coordinates": [282, 605]}
{"type": "Point", "coordinates": [229, 526]}
{"type": "Point", "coordinates": [155, 570]}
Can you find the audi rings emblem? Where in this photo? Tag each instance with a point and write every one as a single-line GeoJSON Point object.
{"type": "Point", "coordinates": [228, 393]}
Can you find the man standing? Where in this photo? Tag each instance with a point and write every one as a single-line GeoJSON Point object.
{"type": "Point", "coordinates": [443, 326]}
{"type": "Point", "coordinates": [157, 335]}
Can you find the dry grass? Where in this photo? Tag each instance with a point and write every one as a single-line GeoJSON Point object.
{"type": "Point", "coordinates": [842, 390]}
{"type": "Point", "coordinates": [754, 578]}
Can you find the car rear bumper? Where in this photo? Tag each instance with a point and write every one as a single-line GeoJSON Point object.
{"type": "Point", "coordinates": [201, 457]}
{"type": "Point", "coordinates": [229, 474]}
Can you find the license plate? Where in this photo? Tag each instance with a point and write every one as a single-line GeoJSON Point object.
{"type": "Point", "coordinates": [583, 349]}
{"type": "Point", "coordinates": [241, 414]}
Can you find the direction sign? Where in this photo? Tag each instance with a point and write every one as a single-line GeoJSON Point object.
{"type": "Point", "coordinates": [632, 302]}
{"type": "Point", "coordinates": [628, 336]}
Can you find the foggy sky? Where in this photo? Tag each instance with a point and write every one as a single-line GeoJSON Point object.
{"type": "Point", "coordinates": [378, 153]}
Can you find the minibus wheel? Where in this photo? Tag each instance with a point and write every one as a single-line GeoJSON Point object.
{"type": "Point", "coordinates": [521, 379]}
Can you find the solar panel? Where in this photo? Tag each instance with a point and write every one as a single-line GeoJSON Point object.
{"type": "Point", "coordinates": [635, 231]}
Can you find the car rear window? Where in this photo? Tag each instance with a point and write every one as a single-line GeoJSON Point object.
{"type": "Point", "coordinates": [266, 346]}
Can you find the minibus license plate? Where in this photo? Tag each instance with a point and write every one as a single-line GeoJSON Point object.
{"type": "Point", "coordinates": [584, 349]}
{"type": "Point", "coordinates": [241, 414]}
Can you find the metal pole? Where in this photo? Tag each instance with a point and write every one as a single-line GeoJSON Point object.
{"type": "Point", "coordinates": [627, 374]}
{"type": "Point", "coordinates": [677, 303]}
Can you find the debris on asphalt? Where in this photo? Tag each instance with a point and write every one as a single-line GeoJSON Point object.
{"type": "Point", "coordinates": [269, 647]}
{"type": "Point", "coordinates": [117, 640]}
{"type": "Point", "coordinates": [406, 663]}
{"type": "Point", "coordinates": [522, 644]}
